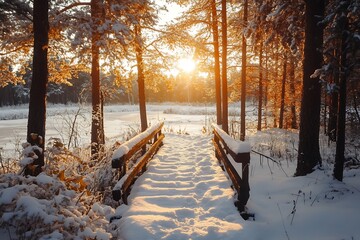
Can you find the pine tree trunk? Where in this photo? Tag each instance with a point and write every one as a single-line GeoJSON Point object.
{"type": "Point", "coordinates": [325, 108]}
{"type": "Point", "coordinates": [309, 153]}
{"type": "Point", "coordinates": [243, 77]}
{"type": "Point", "coordinates": [333, 108]}
{"type": "Point", "coordinates": [276, 76]}
{"type": "Point", "coordinates": [97, 141]}
{"type": "Point", "coordinates": [282, 98]}
{"type": "Point", "coordinates": [340, 143]}
{"type": "Point", "coordinates": [260, 103]}
{"type": "Point", "coordinates": [293, 93]}
{"type": "Point", "coordinates": [266, 89]}
{"type": "Point", "coordinates": [355, 105]}
{"type": "Point", "coordinates": [217, 62]}
{"type": "Point", "coordinates": [37, 105]}
{"type": "Point", "coordinates": [141, 78]}
{"type": "Point", "coordinates": [225, 124]}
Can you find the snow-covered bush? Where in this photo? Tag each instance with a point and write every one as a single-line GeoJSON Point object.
{"type": "Point", "coordinates": [62, 202]}
{"type": "Point", "coordinates": [43, 208]}
{"type": "Point", "coordinates": [7, 164]}
{"type": "Point", "coordinates": [278, 143]}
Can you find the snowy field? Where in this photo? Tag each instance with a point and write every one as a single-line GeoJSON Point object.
{"type": "Point", "coordinates": [197, 200]}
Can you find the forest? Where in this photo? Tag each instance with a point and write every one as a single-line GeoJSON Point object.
{"type": "Point", "coordinates": [298, 60]}
{"type": "Point", "coordinates": [297, 63]}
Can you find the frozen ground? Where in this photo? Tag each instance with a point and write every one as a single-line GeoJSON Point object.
{"type": "Point", "coordinates": [188, 203]}
{"type": "Point", "coordinates": [118, 120]}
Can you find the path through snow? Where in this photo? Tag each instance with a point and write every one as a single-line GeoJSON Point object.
{"type": "Point", "coordinates": [184, 194]}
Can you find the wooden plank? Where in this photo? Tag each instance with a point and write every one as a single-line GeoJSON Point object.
{"type": "Point", "coordinates": [241, 184]}
{"type": "Point", "coordinates": [117, 163]}
{"type": "Point", "coordinates": [138, 168]}
{"type": "Point", "coordinates": [238, 157]}
{"type": "Point", "coordinates": [233, 174]}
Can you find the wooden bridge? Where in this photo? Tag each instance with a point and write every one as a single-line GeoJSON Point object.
{"type": "Point", "coordinates": [184, 189]}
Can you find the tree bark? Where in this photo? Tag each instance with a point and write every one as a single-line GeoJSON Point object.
{"type": "Point", "coordinates": [341, 119]}
{"type": "Point", "coordinates": [243, 76]}
{"type": "Point", "coordinates": [292, 92]}
{"type": "Point", "coordinates": [266, 89]}
{"type": "Point", "coordinates": [309, 153]}
{"type": "Point", "coordinates": [37, 105]}
{"type": "Point", "coordinates": [334, 98]}
{"type": "Point", "coordinates": [260, 86]}
{"type": "Point", "coordinates": [97, 140]}
{"type": "Point", "coordinates": [225, 124]}
{"type": "Point", "coordinates": [282, 98]}
{"type": "Point", "coordinates": [141, 78]}
{"type": "Point", "coordinates": [214, 25]}
{"type": "Point", "coordinates": [276, 76]}
{"type": "Point", "coordinates": [355, 105]}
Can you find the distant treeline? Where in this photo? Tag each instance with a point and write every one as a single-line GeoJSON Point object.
{"type": "Point", "coordinates": [169, 89]}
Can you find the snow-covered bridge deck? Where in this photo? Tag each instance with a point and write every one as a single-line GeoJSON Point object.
{"type": "Point", "coordinates": [184, 194]}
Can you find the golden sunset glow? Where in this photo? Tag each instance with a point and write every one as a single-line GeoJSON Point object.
{"type": "Point", "coordinates": [186, 64]}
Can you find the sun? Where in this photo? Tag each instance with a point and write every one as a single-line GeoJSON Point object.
{"type": "Point", "coordinates": [186, 64]}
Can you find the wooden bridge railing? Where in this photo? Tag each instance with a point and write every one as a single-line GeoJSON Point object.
{"type": "Point", "coordinates": [128, 151]}
{"type": "Point", "coordinates": [240, 152]}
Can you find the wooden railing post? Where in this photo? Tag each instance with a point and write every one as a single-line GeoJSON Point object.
{"type": "Point", "coordinates": [216, 141]}
{"type": "Point", "coordinates": [244, 186]}
{"type": "Point", "coordinates": [241, 184]}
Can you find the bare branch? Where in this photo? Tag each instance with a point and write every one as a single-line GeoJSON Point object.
{"type": "Point", "coordinates": [76, 4]}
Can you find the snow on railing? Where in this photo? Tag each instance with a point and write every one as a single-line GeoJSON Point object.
{"type": "Point", "coordinates": [234, 145]}
{"type": "Point", "coordinates": [128, 145]}
{"type": "Point", "coordinates": [127, 151]}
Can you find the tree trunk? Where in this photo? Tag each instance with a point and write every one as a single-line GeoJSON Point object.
{"type": "Point", "coordinates": [243, 76]}
{"type": "Point", "coordinates": [292, 92]}
{"type": "Point", "coordinates": [324, 111]}
{"type": "Point", "coordinates": [260, 86]}
{"type": "Point", "coordinates": [333, 108]}
{"type": "Point", "coordinates": [276, 76]}
{"type": "Point", "coordinates": [141, 78]}
{"type": "Point", "coordinates": [355, 105]}
{"type": "Point", "coordinates": [309, 153]}
{"type": "Point", "coordinates": [37, 105]}
{"type": "Point", "coordinates": [282, 98]}
{"type": "Point", "coordinates": [340, 143]}
{"type": "Point", "coordinates": [225, 124]}
{"type": "Point", "coordinates": [266, 89]}
{"type": "Point", "coordinates": [97, 141]}
{"type": "Point", "coordinates": [217, 61]}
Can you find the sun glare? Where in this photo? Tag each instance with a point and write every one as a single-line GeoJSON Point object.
{"type": "Point", "coordinates": [186, 64]}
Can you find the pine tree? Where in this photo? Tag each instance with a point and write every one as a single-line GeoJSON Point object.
{"type": "Point", "coordinates": [224, 85]}
{"type": "Point", "coordinates": [309, 153]}
{"type": "Point", "coordinates": [215, 31]}
{"type": "Point", "coordinates": [97, 129]}
{"type": "Point", "coordinates": [141, 77]}
{"type": "Point", "coordinates": [37, 105]}
{"type": "Point", "coordinates": [243, 75]}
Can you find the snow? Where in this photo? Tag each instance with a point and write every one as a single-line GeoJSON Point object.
{"type": "Point", "coordinates": [25, 161]}
{"type": "Point", "coordinates": [8, 195]}
{"type": "Point", "coordinates": [128, 145]}
{"type": "Point", "coordinates": [235, 145]}
{"type": "Point", "coordinates": [31, 207]}
{"type": "Point", "coordinates": [184, 194]}
{"type": "Point", "coordinates": [56, 235]}
{"type": "Point", "coordinates": [44, 179]}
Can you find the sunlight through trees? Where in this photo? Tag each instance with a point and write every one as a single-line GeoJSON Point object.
{"type": "Point", "coordinates": [206, 51]}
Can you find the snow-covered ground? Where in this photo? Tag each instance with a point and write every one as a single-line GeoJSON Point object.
{"type": "Point", "coordinates": [195, 200]}
{"type": "Point", "coordinates": [183, 195]}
